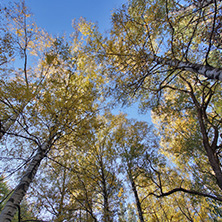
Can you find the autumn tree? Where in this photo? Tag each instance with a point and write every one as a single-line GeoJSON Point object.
{"type": "Point", "coordinates": [134, 141]}
{"type": "Point", "coordinates": [152, 56]}
{"type": "Point", "coordinates": [161, 53]}
{"type": "Point", "coordinates": [63, 104]}
{"type": "Point", "coordinates": [51, 96]}
{"type": "Point", "coordinates": [22, 44]}
{"type": "Point", "coordinates": [151, 37]}
{"type": "Point", "coordinates": [162, 190]}
{"type": "Point", "coordinates": [90, 189]}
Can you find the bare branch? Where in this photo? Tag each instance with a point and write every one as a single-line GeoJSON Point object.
{"type": "Point", "coordinates": [193, 192]}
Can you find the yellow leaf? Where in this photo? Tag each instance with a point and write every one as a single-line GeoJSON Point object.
{"type": "Point", "coordinates": [120, 192]}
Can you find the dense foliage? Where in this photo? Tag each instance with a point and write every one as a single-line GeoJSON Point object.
{"type": "Point", "coordinates": [71, 158]}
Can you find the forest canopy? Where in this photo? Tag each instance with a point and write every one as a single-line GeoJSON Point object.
{"type": "Point", "coordinates": [67, 156]}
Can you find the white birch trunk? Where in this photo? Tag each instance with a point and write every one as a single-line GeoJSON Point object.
{"type": "Point", "coordinates": [204, 70]}
{"type": "Point", "coordinates": [14, 201]}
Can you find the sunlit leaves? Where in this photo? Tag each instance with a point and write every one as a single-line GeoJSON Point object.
{"type": "Point", "coordinates": [55, 92]}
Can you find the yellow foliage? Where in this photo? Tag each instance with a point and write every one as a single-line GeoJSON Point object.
{"type": "Point", "coordinates": [120, 192]}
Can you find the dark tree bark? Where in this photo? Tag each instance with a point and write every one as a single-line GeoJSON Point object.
{"type": "Point", "coordinates": [138, 204]}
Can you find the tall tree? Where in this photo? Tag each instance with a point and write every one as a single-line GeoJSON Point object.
{"type": "Point", "coordinates": [153, 57]}
{"type": "Point", "coordinates": [91, 190]}
{"type": "Point", "coordinates": [150, 37]}
{"type": "Point", "coordinates": [22, 43]}
{"type": "Point", "coordinates": [134, 141]}
{"type": "Point", "coordinates": [48, 117]}
{"type": "Point", "coordinates": [65, 103]}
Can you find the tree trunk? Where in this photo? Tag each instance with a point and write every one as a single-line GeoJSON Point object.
{"type": "Point", "coordinates": [107, 216]}
{"type": "Point", "coordinates": [215, 164]}
{"type": "Point", "coordinates": [205, 70]}
{"type": "Point", "coordinates": [138, 204]}
{"type": "Point", "coordinates": [211, 151]}
{"type": "Point", "coordinates": [63, 189]}
{"type": "Point", "coordinates": [14, 201]}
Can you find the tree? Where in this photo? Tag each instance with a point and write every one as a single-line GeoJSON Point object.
{"type": "Point", "coordinates": [135, 140]}
{"type": "Point", "coordinates": [66, 102]}
{"type": "Point", "coordinates": [24, 210]}
{"type": "Point", "coordinates": [153, 59]}
{"type": "Point", "coordinates": [90, 189]}
{"type": "Point", "coordinates": [21, 40]}
{"type": "Point", "coordinates": [169, 194]}
{"type": "Point", "coordinates": [81, 161]}
{"type": "Point", "coordinates": [44, 103]}
{"type": "Point", "coordinates": [177, 37]}
{"type": "Point", "coordinates": [156, 184]}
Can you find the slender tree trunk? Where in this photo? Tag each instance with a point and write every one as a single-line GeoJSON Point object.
{"type": "Point", "coordinates": [59, 215]}
{"type": "Point", "coordinates": [211, 151]}
{"type": "Point", "coordinates": [107, 216]}
{"type": "Point", "coordinates": [106, 207]}
{"type": "Point", "coordinates": [215, 164]}
{"type": "Point", "coordinates": [205, 70]}
{"type": "Point", "coordinates": [14, 201]}
{"type": "Point", "coordinates": [138, 204]}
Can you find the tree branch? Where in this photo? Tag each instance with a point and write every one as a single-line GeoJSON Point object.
{"type": "Point", "coordinates": [193, 192]}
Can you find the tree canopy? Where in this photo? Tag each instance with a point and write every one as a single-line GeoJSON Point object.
{"type": "Point", "coordinates": [70, 157]}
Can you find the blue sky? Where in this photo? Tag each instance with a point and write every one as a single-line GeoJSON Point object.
{"type": "Point", "coordinates": [56, 16]}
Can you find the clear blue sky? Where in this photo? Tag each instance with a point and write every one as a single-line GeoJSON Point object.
{"type": "Point", "coordinates": [56, 16]}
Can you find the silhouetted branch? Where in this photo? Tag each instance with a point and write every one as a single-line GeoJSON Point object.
{"type": "Point", "coordinates": [180, 189]}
